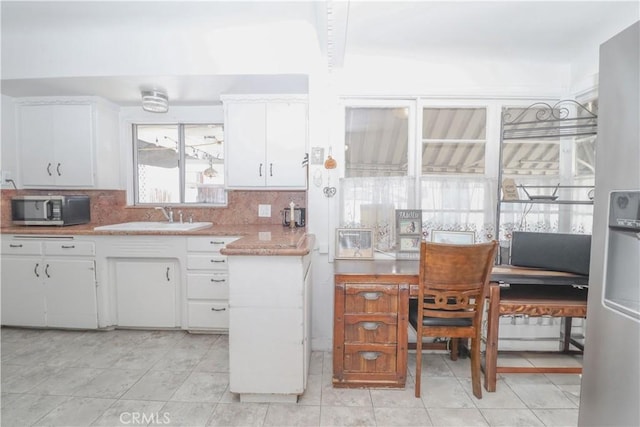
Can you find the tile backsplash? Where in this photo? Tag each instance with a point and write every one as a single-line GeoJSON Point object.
{"type": "Point", "coordinates": [110, 207]}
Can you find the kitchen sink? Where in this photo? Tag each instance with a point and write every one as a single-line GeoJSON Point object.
{"type": "Point", "coordinates": [154, 226]}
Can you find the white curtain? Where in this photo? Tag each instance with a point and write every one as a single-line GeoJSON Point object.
{"type": "Point", "coordinates": [459, 204]}
{"type": "Point", "coordinates": [371, 202]}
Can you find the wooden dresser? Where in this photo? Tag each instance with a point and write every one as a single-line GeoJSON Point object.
{"type": "Point", "coordinates": [370, 324]}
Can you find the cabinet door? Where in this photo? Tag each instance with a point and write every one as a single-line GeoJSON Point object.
{"type": "Point", "coordinates": [22, 291]}
{"type": "Point", "coordinates": [56, 145]}
{"type": "Point", "coordinates": [245, 145]}
{"type": "Point", "coordinates": [146, 292]}
{"type": "Point", "coordinates": [73, 145]}
{"type": "Point", "coordinates": [70, 293]}
{"type": "Point", "coordinates": [35, 130]}
{"type": "Point", "coordinates": [286, 145]}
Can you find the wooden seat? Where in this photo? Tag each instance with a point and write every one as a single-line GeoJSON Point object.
{"type": "Point", "coordinates": [453, 285]}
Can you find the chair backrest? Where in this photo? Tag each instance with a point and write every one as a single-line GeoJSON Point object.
{"type": "Point", "coordinates": [454, 278]}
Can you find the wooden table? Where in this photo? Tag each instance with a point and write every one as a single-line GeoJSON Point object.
{"type": "Point", "coordinates": [533, 292]}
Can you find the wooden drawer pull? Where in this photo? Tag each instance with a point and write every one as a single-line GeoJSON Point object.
{"type": "Point", "coordinates": [371, 296]}
{"type": "Point", "coordinates": [370, 355]}
{"type": "Point", "coordinates": [370, 326]}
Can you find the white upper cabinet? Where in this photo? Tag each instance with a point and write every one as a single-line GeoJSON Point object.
{"type": "Point", "coordinates": [265, 143]}
{"type": "Point", "coordinates": [59, 142]}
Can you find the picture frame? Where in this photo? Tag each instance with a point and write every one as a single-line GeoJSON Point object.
{"type": "Point", "coordinates": [453, 237]}
{"type": "Point", "coordinates": [409, 243]}
{"type": "Point", "coordinates": [408, 232]}
{"type": "Point", "coordinates": [354, 243]}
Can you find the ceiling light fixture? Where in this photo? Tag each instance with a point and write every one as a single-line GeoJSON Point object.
{"type": "Point", "coordinates": [155, 101]}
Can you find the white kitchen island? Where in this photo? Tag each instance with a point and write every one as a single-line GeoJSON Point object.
{"type": "Point", "coordinates": [269, 316]}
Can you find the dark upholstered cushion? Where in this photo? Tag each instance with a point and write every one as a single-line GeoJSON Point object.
{"type": "Point", "coordinates": [433, 321]}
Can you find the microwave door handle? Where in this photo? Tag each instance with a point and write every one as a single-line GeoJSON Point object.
{"type": "Point", "coordinates": [45, 208]}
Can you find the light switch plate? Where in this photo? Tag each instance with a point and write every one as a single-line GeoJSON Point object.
{"type": "Point", "coordinates": [264, 211]}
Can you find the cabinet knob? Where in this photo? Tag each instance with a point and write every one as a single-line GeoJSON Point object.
{"type": "Point", "coordinates": [371, 296]}
{"type": "Point", "coordinates": [370, 355]}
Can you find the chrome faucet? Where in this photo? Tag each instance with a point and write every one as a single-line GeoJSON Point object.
{"type": "Point", "coordinates": [167, 212]}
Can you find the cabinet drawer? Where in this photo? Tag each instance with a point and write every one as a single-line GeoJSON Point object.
{"type": "Point", "coordinates": [208, 314]}
{"type": "Point", "coordinates": [206, 262]}
{"type": "Point", "coordinates": [369, 358]}
{"type": "Point", "coordinates": [371, 298]}
{"type": "Point", "coordinates": [371, 328]}
{"type": "Point", "coordinates": [208, 244]}
{"type": "Point", "coordinates": [21, 247]}
{"type": "Point", "coordinates": [208, 286]}
{"type": "Point", "coordinates": [69, 248]}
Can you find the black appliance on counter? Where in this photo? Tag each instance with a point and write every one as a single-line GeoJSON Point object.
{"type": "Point", "coordinates": [299, 214]}
{"type": "Point", "coordinates": [50, 210]}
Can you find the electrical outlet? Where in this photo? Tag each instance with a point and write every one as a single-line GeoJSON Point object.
{"type": "Point", "coordinates": [264, 211]}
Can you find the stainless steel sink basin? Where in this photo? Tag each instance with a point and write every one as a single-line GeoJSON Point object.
{"type": "Point", "coordinates": [154, 226]}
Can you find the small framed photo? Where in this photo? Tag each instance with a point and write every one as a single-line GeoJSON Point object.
{"type": "Point", "coordinates": [410, 243]}
{"type": "Point", "coordinates": [354, 243]}
{"type": "Point", "coordinates": [408, 222]}
{"type": "Point", "coordinates": [453, 237]}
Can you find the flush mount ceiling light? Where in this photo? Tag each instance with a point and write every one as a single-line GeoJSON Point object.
{"type": "Point", "coordinates": [155, 101]}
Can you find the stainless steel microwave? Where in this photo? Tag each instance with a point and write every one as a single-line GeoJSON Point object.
{"type": "Point", "coordinates": [50, 210]}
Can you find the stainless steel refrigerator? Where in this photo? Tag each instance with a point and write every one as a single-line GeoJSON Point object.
{"type": "Point", "coordinates": [610, 389]}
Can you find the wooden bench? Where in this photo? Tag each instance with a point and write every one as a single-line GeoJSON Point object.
{"type": "Point", "coordinates": [565, 301]}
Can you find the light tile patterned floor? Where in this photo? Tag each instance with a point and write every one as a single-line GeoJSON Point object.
{"type": "Point", "coordinates": [124, 377]}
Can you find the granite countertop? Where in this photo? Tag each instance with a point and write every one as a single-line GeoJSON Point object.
{"type": "Point", "coordinates": [254, 239]}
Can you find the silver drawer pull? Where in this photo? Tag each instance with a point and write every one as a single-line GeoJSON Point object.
{"type": "Point", "coordinates": [218, 309]}
{"type": "Point", "coordinates": [370, 326]}
{"type": "Point", "coordinates": [371, 296]}
{"type": "Point", "coordinates": [370, 355]}
{"type": "Point", "coordinates": [68, 246]}
{"type": "Point", "coordinates": [218, 280]}
{"type": "Point", "coordinates": [217, 260]}
{"type": "Point", "coordinates": [216, 243]}
{"type": "Point", "coordinates": [15, 246]}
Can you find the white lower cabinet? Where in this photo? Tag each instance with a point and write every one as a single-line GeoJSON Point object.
{"type": "Point", "coordinates": [146, 292]}
{"type": "Point", "coordinates": [269, 327]}
{"type": "Point", "coordinates": [48, 281]}
{"type": "Point", "coordinates": [207, 284]}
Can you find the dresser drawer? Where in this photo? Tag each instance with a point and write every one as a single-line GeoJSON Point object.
{"type": "Point", "coordinates": [371, 298]}
{"type": "Point", "coordinates": [208, 314]}
{"type": "Point", "coordinates": [208, 286]}
{"type": "Point", "coordinates": [370, 358]}
{"type": "Point", "coordinates": [70, 248]}
{"type": "Point", "coordinates": [208, 244]}
{"type": "Point", "coordinates": [206, 262]}
{"type": "Point", "coordinates": [21, 247]}
{"type": "Point", "coordinates": [365, 329]}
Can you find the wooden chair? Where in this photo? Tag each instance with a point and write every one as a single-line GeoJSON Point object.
{"type": "Point", "coordinates": [454, 282]}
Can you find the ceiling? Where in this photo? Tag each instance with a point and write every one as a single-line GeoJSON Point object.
{"type": "Point", "coordinates": [543, 31]}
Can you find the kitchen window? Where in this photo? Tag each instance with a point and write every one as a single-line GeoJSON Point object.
{"type": "Point", "coordinates": [179, 164]}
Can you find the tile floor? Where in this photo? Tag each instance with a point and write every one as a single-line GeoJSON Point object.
{"type": "Point", "coordinates": [125, 377]}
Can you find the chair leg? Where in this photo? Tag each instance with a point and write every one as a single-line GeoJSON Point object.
{"type": "Point", "coordinates": [454, 348]}
{"type": "Point", "coordinates": [475, 368]}
{"type": "Point", "coordinates": [418, 364]}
